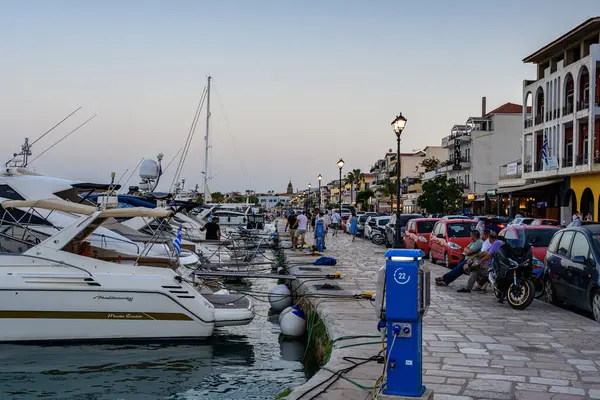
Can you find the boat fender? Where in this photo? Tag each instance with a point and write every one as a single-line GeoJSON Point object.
{"type": "Point", "coordinates": [293, 323]}
{"type": "Point", "coordinates": [280, 297]}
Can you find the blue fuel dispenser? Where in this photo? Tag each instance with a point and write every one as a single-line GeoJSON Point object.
{"type": "Point", "coordinates": [405, 285]}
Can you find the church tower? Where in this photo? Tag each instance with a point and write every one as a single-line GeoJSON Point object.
{"type": "Point", "coordinates": [290, 188]}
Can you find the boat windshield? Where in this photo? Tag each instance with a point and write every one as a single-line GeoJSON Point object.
{"type": "Point", "coordinates": [16, 239]}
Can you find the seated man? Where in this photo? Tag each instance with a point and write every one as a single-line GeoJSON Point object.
{"type": "Point", "coordinates": [472, 249]}
{"type": "Point", "coordinates": [479, 265]}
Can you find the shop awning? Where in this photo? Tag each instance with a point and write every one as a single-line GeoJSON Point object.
{"type": "Point", "coordinates": [523, 188]}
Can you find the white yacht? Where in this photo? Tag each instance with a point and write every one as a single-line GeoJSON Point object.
{"type": "Point", "coordinates": [50, 291]}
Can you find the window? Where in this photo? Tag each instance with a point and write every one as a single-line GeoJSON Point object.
{"type": "Point", "coordinates": [553, 246]}
{"type": "Point", "coordinates": [462, 229]}
{"type": "Point", "coordinates": [425, 226]}
{"type": "Point", "coordinates": [9, 193]}
{"type": "Point", "coordinates": [565, 244]}
{"type": "Point", "coordinates": [467, 179]}
{"type": "Point", "coordinates": [383, 221]}
{"type": "Point", "coordinates": [539, 237]}
{"type": "Point", "coordinates": [580, 246]}
{"type": "Point", "coordinates": [510, 235]}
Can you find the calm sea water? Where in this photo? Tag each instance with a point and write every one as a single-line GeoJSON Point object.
{"type": "Point", "coordinates": [248, 362]}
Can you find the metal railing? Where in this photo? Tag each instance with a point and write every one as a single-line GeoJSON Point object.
{"type": "Point", "coordinates": [567, 162]}
{"type": "Point", "coordinates": [582, 105]}
{"type": "Point", "coordinates": [567, 109]}
{"type": "Point", "coordinates": [528, 122]}
{"type": "Point", "coordinates": [527, 167]}
{"type": "Point", "coordinates": [581, 159]}
{"type": "Point", "coordinates": [539, 119]}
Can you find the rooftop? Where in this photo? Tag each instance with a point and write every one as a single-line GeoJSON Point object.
{"type": "Point", "coordinates": [565, 41]}
{"type": "Point", "coordinates": [508, 108]}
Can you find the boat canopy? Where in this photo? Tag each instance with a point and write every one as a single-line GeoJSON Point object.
{"type": "Point", "coordinates": [70, 207]}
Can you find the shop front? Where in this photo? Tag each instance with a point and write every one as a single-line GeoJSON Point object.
{"type": "Point", "coordinates": [582, 195]}
{"type": "Point", "coordinates": [535, 200]}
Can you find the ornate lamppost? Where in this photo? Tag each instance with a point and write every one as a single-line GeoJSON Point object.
{"type": "Point", "coordinates": [398, 125]}
{"type": "Point", "coordinates": [340, 165]}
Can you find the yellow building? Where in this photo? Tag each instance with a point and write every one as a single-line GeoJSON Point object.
{"type": "Point", "coordinates": [585, 193]}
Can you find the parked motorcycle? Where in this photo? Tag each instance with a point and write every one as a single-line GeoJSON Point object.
{"type": "Point", "coordinates": [512, 276]}
{"type": "Point", "coordinates": [377, 237]}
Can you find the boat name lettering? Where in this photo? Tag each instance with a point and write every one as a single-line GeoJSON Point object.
{"type": "Point", "coordinates": [113, 298]}
{"type": "Point", "coordinates": [125, 316]}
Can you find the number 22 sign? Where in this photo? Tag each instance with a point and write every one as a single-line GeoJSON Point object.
{"type": "Point", "coordinates": [401, 277]}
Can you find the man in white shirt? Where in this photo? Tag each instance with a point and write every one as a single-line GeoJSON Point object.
{"type": "Point", "coordinates": [335, 221]}
{"type": "Point", "coordinates": [302, 222]}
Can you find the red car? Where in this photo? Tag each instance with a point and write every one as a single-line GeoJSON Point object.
{"type": "Point", "coordinates": [448, 240]}
{"type": "Point", "coordinates": [545, 221]}
{"type": "Point", "coordinates": [416, 235]}
{"type": "Point", "coordinates": [345, 222]}
{"type": "Point", "coordinates": [537, 235]}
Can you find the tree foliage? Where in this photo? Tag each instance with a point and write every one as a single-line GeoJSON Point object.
{"type": "Point", "coordinates": [430, 164]}
{"type": "Point", "coordinates": [217, 197]}
{"type": "Point", "coordinates": [440, 195]}
{"type": "Point", "coordinates": [363, 197]}
{"type": "Point", "coordinates": [388, 189]}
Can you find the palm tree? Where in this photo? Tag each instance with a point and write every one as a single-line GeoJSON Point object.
{"type": "Point", "coordinates": [354, 177]}
{"type": "Point", "coordinates": [389, 189]}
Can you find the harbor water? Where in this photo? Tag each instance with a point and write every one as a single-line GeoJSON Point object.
{"type": "Point", "coordinates": [248, 362]}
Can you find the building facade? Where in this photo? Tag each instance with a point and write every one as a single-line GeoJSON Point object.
{"type": "Point", "coordinates": [560, 162]}
{"type": "Point", "coordinates": [477, 148]}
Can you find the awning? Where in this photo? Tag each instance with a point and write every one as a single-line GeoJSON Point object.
{"type": "Point", "coordinates": [528, 187]}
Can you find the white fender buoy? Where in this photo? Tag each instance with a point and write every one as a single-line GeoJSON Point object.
{"type": "Point", "coordinates": [293, 323]}
{"type": "Point", "coordinates": [280, 297]}
{"type": "Point", "coordinates": [285, 311]}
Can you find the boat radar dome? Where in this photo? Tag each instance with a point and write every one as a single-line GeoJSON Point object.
{"type": "Point", "coordinates": [149, 169]}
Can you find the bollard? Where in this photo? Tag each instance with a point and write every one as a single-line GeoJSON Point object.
{"type": "Point", "coordinates": [407, 298]}
{"type": "Point", "coordinates": [320, 236]}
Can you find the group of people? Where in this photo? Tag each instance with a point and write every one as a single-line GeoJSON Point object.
{"type": "Point", "coordinates": [299, 223]}
{"type": "Point", "coordinates": [578, 218]}
{"type": "Point", "coordinates": [477, 259]}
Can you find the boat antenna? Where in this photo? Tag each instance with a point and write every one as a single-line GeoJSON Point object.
{"type": "Point", "coordinates": [132, 172]}
{"type": "Point", "coordinates": [60, 140]}
{"type": "Point", "coordinates": [55, 126]}
{"type": "Point", "coordinates": [207, 146]}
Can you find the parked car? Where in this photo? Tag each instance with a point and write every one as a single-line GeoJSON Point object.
{"type": "Point", "coordinates": [572, 271]}
{"type": "Point", "coordinates": [345, 223]}
{"type": "Point", "coordinates": [545, 221]}
{"type": "Point", "coordinates": [447, 217]}
{"type": "Point", "coordinates": [521, 221]}
{"type": "Point", "coordinates": [362, 220]}
{"type": "Point", "coordinates": [538, 237]}
{"type": "Point", "coordinates": [448, 239]}
{"type": "Point", "coordinates": [416, 234]}
{"type": "Point", "coordinates": [375, 223]}
{"type": "Point", "coordinates": [390, 228]}
{"type": "Point", "coordinates": [491, 223]}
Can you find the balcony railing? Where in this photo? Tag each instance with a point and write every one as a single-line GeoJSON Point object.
{"type": "Point", "coordinates": [567, 109]}
{"type": "Point", "coordinates": [581, 159]}
{"type": "Point", "coordinates": [508, 171]}
{"type": "Point", "coordinates": [548, 115]}
{"type": "Point", "coordinates": [538, 166]}
{"type": "Point", "coordinates": [556, 113]}
{"type": "Point", "coordinates": [567, 162]}
{"type": "Point", "coordinates": [597, 101]}
{"type": "Point", "coordinates": [582, 105]}
{"type": "Point", "coordinates": [528, 122]}
{"type": "Point", "coordinates": [527, 167]}
{"type": "Point", "coordinates": [539, 119]}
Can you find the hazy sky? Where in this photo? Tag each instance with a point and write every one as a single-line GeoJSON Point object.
{"type": "Point", "coordinates": [298, 84]}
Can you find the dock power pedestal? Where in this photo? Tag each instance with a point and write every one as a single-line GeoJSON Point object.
{"type": "Point", "coordinates": [403, 298]}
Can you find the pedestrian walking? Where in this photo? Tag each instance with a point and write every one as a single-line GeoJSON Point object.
{"type": "Point", "coordinates": [353, 226]}
{"type": "Point", "coordinates": [335, 222]}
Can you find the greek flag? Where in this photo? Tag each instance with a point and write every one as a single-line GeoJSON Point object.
{"type": "Point", "coordinates": [545, 151]}
{"type": "Point", "coordinates": [177, 242]}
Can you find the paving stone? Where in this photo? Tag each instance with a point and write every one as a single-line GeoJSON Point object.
{"type": "Point", "coordinates": [525, 395]}
{"type": "Point", "coordinates": [444, 388]}
{"type": "Point", "coordinates": [521, 371]}
{"type": "Point", "coordinates": [489, 395]}
{"type": "Point", "coordinates": [433, 379]}
{"type": "Point", "coordinates": [455, 381]}
{"type": "Point", "coordinates": [594, 393]}
{"type": "Point", "coordinates": [580, 362]}
{"type": "Point", "coordinates": [451, 397]}
{"type": "Point", "coordinates": [486, 385]}
{"type": "Point", "coordinates": [531, 387]}
{"type": "Point", "coordinates": [493, 346]}
{"type": "Point", "coordinates": [548, 381]}
{"type": "Point", "coordinates": [567, 390]}
{"type": "Point", "coordinates": [501, 377]}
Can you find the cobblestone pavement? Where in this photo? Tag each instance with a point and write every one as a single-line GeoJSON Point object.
{"type": "Point", "coordinates": [474, 348]}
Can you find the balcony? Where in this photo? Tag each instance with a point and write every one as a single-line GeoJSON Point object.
{"type": "Point", "coordinates": [567, 109]}
{"type": "Point", "coordinates": [582, 105]}
{"type": "Point", "coordinates": [528, 122]}
{"type": "Point", "coordinates": [597, 101]}
{"type": "Point", "coordinates": [556, 113]}
{"type": "Point", "coordinates": [539, 119]}
{"type": "Point", "coordinates": [512, 170]}
{"type": "Point", "coordinates": [581, 159]}
{"type": "Point", "coordinates": [527, 167]}
{"type": "Point", "coordinates": [449, 141]}
{"type": "Point", "coordinates": [567, 162]}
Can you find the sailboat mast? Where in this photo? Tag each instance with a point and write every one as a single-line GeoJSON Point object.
{"type": "Point", "coordinates": [206, 139]}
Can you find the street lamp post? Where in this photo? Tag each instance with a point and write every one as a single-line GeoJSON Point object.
{"type": "Point", "coordinates": [398, 125]}
{"type": "Point", "coordinates": [340, 165]}
{"type": "Point", "coordinates": [309, 199]}
{"type": "Point", "coordinates": [319, 179]}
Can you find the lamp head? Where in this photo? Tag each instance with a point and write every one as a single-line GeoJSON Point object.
{"type": "Point", "coordinates": [340, 163]}
{"type": "Point", "coordinates": [319, 177]}
{"type": "Point", "coordinates": [398, 124]}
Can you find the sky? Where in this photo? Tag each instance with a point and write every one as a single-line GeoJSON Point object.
{"type": "Point", "coordinates": [296, 84]}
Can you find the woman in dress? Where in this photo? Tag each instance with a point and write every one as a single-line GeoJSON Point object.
{"type": "Point", "coordinates": [353, 226]}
